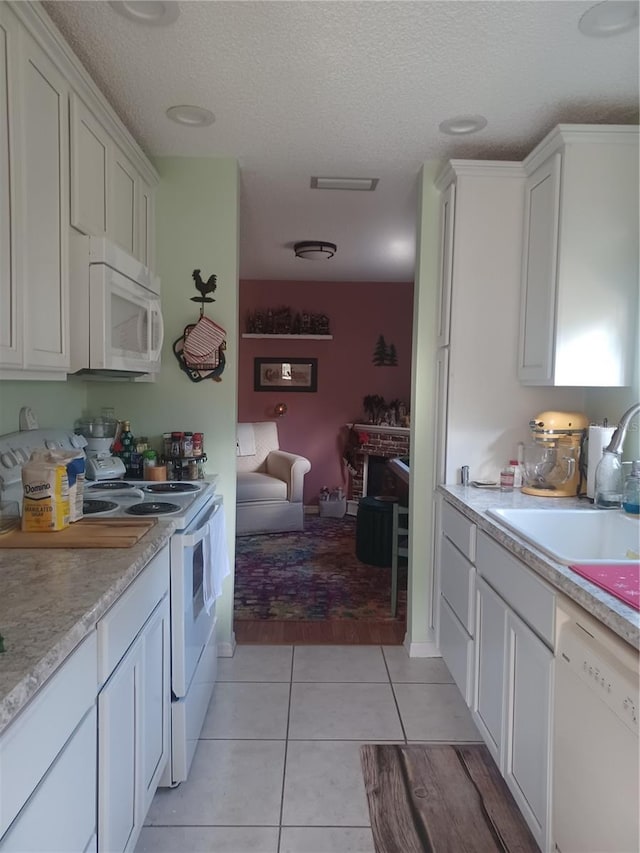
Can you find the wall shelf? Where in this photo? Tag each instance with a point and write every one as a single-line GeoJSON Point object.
{"type": "Point", "coordinates": [291, 337]}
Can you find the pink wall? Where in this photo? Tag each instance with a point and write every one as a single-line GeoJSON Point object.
{"type": "Point", "coordinates": [359, 312]}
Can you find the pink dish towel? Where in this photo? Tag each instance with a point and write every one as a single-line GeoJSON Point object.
{"type": "Point", "coordinates": [623, 581]}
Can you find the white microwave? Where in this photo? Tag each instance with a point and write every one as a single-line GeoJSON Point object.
{"type": "Point", "coordinates": [116, 317]}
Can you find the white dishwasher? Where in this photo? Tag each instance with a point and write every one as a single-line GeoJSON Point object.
{"type": "Point", "coordinates": [596, 762]}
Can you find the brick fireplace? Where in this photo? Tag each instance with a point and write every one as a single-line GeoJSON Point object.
{"type": "Point", "coordinates": [383, 442]}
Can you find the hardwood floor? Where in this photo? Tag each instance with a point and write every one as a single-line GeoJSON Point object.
{"type": "Point", "coordinates": [338, 632]}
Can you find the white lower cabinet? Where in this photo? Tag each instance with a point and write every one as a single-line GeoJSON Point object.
{"type": "Point", "coordinates": [60, 815]}
{"type": "Point", "coordinates": [527, 759]}
{"type": "Point", "coordinates": [513, 678]}
{"type": "Point", "coordinates": [456, 648]}
{"type": "Point", "coordinates": [63, 755]}
{"type": "Point", "coordinates": [48, 763]}
{"type": "Point", "coordinates": [490, 647]}
{"type": "Point", "coordinates": [457, 583]}
{"type": "Point", "coordinates": [133, 711]}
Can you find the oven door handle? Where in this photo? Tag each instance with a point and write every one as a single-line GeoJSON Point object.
{"type": "Point", "coordinates": [190, 540]}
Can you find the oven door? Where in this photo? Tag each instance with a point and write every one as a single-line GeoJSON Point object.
{"type": "Point", "coordinates": [191, 624]}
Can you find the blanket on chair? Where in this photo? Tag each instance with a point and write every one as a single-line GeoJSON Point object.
{"type": "Point", "coordinates": [245, 440]}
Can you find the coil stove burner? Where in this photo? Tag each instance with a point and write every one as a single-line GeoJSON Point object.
{"type": "Point", "coordinates": [152, 508]}
{"type": "Point", "coordinates": [92, 507]}
{"type": "Point", "coordinates": [172, 487]}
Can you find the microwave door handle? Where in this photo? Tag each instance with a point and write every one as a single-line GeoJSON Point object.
{"type": "Point", "coordinates": [155, 352]}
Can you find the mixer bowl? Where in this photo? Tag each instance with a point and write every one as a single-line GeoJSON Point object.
{"type": "Point", "coordinates": [547, 466]}
{"type": "Point", "coordinates": [96, 427]}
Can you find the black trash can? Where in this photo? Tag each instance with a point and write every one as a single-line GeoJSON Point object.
{"type": "Point", "coordinates": [374, 530]}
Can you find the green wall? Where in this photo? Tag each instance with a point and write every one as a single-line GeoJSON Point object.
{"type": "Point", "coordinates": [196, 228]}
{"type": "Point", "coordinates": [55, 404]}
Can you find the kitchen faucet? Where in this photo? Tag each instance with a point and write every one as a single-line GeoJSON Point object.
{"type": "Point", "coordinates": [617, 439]}
{"type": "Point", "coordinates": [608, 491]}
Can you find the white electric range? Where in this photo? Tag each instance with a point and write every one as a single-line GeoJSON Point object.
{"type": "Point", "coordinates": [179, 500]}
{"type": "Point", "coordinates": [198, 560]}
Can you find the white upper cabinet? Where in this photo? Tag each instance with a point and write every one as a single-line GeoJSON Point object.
{"type": "Point", "coordinates": [89, 169]}
{"type": "Point", "coordinates": [109, 196]}
{"type": "Point", "coordinates": [34, 204]}
{"type": "Point", "coordinates": [580, 258]}
{"type": "Point", "coordinates": [146, 224]}
{"type": "Point", "coordinates": [66, 161]}
{"type": "Point", "coordinates": [10, 331]}
{"type": "Point", "coordinates": [122, 218]}
{"type": "Point", "coordinates": [44, 148]}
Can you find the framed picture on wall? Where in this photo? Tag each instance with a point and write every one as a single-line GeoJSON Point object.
{"type": "Point", "coordinates": [285, 374]}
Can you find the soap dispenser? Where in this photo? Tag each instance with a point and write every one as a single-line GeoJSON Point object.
{"type": "Point", "coordinates": [631, 493]}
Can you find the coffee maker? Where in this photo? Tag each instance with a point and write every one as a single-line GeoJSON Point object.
{"type": "Point", "coordinates": [552, 460]}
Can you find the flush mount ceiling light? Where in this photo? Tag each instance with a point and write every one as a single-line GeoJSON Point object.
{"type": "Point", "coordinates": [315, 250]}
{"type": "Point", "coordinates": [366, 184]}
{"type": "Point", "coordinates": [461, 125]}
{"type": "Point", "coordinates": [151, 12]}
{"type": "Point", "coordinates": [191, 116]}
{"type": "Point", "coordinates": [609, 18]}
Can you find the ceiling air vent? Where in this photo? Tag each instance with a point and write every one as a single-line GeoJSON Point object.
{"type": "Point", "coordinates": [366, 184]}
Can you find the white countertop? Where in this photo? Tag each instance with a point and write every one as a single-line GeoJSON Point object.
{"type": "Point", "coordinates": [51, 599]}
{"type": "Point", "coordinates": [474, 503]}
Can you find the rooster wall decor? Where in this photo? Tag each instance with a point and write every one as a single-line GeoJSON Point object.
{"type": "Point", "coordinates": [204, 287]}
{"type": "Point", "coordinates": [200, 348]}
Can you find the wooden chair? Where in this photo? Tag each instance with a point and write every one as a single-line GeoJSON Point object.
{"type": "Point", "coordinates": [400, 548]}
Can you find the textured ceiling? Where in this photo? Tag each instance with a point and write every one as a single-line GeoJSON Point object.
{"type": "Point", "coordinates": [352, 89]}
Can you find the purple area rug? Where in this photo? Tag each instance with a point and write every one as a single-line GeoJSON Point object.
{"type": "Point", "coordinates": [312, 574]}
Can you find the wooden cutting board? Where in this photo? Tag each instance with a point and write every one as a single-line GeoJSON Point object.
{"type": "Point", "coordinates": [86, 533]}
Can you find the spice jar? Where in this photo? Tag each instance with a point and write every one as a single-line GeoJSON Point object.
{"type": "Point", "coordinates": [176, 438]}
{"type": "Point", "coordinates": [149, 460]}
{"type": "Point", "coordinates": [197, 444]}
{"type": "Point", "coordinates": [187, 444]}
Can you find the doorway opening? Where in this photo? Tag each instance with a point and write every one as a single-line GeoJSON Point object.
{"type": "Point", "coordinates": [316, 425]}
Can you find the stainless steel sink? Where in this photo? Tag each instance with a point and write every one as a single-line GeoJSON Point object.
{"type": "Point", "coordinates": [576, 536]}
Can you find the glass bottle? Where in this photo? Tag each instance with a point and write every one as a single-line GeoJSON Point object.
{"type": "Point", "coordinates": [126, 440]}
{"type": "Point", "coordinates": [506, 478]}
{"type": "Point", "coordinates": [608, 488]}
{"type": "Point", "coordinates": [631, 493]}
{"type": "Point", "coordinates": [517, 473]}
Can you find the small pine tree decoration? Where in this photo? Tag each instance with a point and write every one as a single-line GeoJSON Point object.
{"type": "Point", "coordinates": [380, 352]}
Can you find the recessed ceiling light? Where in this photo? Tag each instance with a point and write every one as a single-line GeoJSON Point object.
{"type": "Point", "coordinates": [367, 184]}
{"type": "Point", "coordinates": [460, 125]}
{"type": "Point", "coordinates": [609, 18]}
{"type": "Point", "coordinates": [191, 116]}
{"type": "Point", "coordinates": [152, 12]}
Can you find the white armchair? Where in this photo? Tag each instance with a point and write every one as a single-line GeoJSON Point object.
{"type": "Point", "coordinates": [270, 482]}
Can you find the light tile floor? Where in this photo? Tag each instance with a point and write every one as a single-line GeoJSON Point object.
{"type": "Point", "coordinates": [277, 769]}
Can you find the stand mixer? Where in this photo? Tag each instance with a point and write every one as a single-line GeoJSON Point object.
{"type": "Point", "coordinates": [552, 460]}
{"type": "Point", "coordinates": [100, 433]}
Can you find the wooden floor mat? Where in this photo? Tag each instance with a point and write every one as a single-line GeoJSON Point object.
{"type": "Point", "coordinates": [440, 798]}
